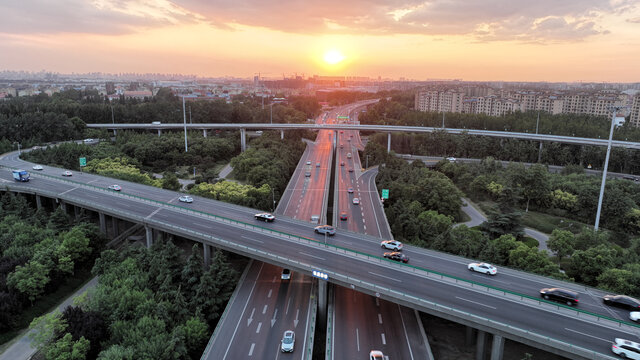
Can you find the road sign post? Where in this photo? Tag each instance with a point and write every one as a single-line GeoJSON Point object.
{"type": "Point", "coordinates": [385, 193]}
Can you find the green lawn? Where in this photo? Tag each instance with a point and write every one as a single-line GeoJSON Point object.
{"type": "Point", "coordinates": [547, 223]}
{"type": "Point", "coordinates": [46, 304]}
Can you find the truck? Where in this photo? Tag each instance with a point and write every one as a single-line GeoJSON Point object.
{"type": "Point", "coordinates": [20, 175]}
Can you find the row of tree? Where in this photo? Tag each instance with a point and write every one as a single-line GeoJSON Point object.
{"type": "Point", "coordinates": [152, 303]}
{"type": "Point", "coordinates": [38, 251]}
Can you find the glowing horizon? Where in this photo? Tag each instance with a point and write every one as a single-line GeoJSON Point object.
{"type": "Point", "coordinates": [582, 40]}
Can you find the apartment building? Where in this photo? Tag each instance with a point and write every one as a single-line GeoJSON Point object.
{"type": "Point", "coordinates": [634, 118]}
{"type": "Point", "coordinates": [439, 101]}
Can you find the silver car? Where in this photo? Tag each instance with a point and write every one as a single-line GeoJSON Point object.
{"type": "Point", "coordinates": [325, 229]}
{"type": "Point", "coordinates": [288, 341]}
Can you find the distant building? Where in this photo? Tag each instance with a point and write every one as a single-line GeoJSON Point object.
{"type": "Point", "coordinates": [138, 94]}
{"type": "Point", "coordinates": [110, 87]}
{"type": "Point", "coordinates": [634, 117]}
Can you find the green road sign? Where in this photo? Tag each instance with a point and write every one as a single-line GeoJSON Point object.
{"type": "Point", "coordinates": [385, 193]}
{"type": "Point", "coordinates": [83, 161]}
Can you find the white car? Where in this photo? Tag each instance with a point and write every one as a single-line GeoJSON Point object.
{"type": "Point", "coordinates": [635, 316]}
{"type": "Point", "coordinates": [308, 162]}
{"type": "Point", "coordinates": [451, 159]}
{"type": "Point", "coordinates": [483, 268]}
{"type": "Point", "coordinates": [356, 201]}
{"type": "Point", "coordinates": [626, 348]}
{"type": "Point", "coordinates": [115, 187]}
{"type": "Point", "coordinates": [88, 140]}
{"type": "Point", "coordinates": [67, 173]}
{"type": "Point", "coordinates": [288, 341]}
{"type": "Point", "coordinates": [265, 217]}
{"type": "Point", "coordinates": [286, 274]}
{"type": "Point", "coordinates": [376, 355]}
{"type": "Point", "coordinates": [37, 167]}
{"type": "Point", "coordinates": [391, 245]}
{"type": "Point", "coordinates": [186, 199]}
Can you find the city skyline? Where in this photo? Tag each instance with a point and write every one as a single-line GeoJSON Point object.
{"type": "Point", "coordinates": [589, 41]}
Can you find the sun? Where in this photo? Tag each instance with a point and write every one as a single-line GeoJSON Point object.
{"type": "Point", "coordinates": [333, 57]}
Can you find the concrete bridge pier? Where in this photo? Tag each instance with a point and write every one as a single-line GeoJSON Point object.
{"type": "Point", "coordinates": [322, 299]}
{"type": "Point", "coordinates": [206, 255]}
{"type": "Point", "coordinates": [114, 132]}
{"type": "Point", "coordinates": [38, 202]}
{"type": "Point", "coordinates": [204, 132]}
{"type": "Point", "coordinates": [63, 205]}
{"type": "Point", "coordinates": [243, 140]}
{"type": "Point", "coordinates": [76, 212]}
{"type": "Point", "coordinates": [497, 347]}
{"type": "Point", "coordinates": [388, 142]}
{"type": "Point", "coordinates": [114, 226]}
{"type": "Point", "coordinates": [480, 340]}
{"type": "Point", "coordinates": [149, 232]}
{"type": "Point", "coordinates": [103, 223]}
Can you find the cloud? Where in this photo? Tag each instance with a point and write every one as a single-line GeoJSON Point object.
{"type": "Point", "coordinates": [486, 20]}
{"type": "Point", "coordinates": [634, 20]}
{"type": "Point", "coordinates": [88, 16]}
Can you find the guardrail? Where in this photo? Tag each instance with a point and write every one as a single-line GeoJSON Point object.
{"type": "Point", "coordinates": [311, 323]}
{"type": "Point", "coordinates": [433, 275]}
{"type": "Point", "coordinates": [328, 349]}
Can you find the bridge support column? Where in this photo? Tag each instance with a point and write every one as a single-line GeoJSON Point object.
{"type": "Point", "coordinates": [322, 299]}
{"type": "Point", "coordinates": [103, 223]}
{"type": "Point", "coordinates": [149, 232]}
{"type": "Point", "coordinates": [38, 202]}
{"type": "Point", "coordinates": [63, 205]}
{"type": "Point", "coordinates": [497, 347]}
{"type": "Point", "coordinates": [114, 132]}
{"type": "Point", "coordinates": [540, 152]}
{"type": "Point", "coordinates": [206, 249]}
{"type": "Point", "coordinates": [243, 140]}
{"type": "Point", "coordinates": [204, 132]}
{"type": "Point", "coordinates": [480, 345]}
{"type": "Point", "coordinates": [388, 142]}
{"type": "Point", "coordinates": [76, 212]}
{"type": "Point", "coordinates": [469, 339]}
{"type": "Point", "coordinates": [114, 226]}
{"type": "Point", "coordinates": [281, 134]}
{"type": "Point", "coordinates": [159, 132]}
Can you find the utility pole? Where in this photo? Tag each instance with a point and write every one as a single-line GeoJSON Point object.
{"type": "Point", "coordinates": [537, 122]}
{"type": "Point", "coordinates": [184, 117]}
{"type": "Point", "coordinates": [615, 110]}
{"type": "Point", "coordinates": [113, 119]}
{"type": "Point", "coordinates": [443, 119]}
{"type": "Point", "coordinates": [271, 112]}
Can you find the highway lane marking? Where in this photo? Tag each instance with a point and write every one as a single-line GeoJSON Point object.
{"type": "Point", "coordinates": [377, 302]}
{"type": "Point", "coordinates": [477, 303]}
{"type": "Point", "coordinates": [92, 181]}
{"type": "Point", "coordinates": [595, 337]}
{"type": "Point", "coordinates": [313, 256]}
{"type": "Point", "coordinates": [155, 212]}
{"type": "Point", "coordinates": [259, 327]}
{"type": "Point", "coordinates": [256, 240]}
{"type": "Point", "coordinates": [270, 291]}
{"type": "Point", "coordinates": [384, 340]}
{"type": "Point", "coordinates": [250, 319]}
{"type": "Point", "coordinates": [273, 319]}
{"type": "Point", "coordinates": [264, 309]}
{"type": "Point", "coordinates": [386, 277]}
{"type": "Point", "coordinates": [286, 311]}
{"type": "Point", "coordinates": [62, 193]}
{"type": "Point", "coordinates": [379, 318]}
{"type": "Point", "coordinates": [358, 339]}
{"type": "Point", "coordinates": [253, 345]}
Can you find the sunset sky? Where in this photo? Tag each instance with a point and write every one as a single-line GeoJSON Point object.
{"type": "Point", "coordinates": [511, 40]}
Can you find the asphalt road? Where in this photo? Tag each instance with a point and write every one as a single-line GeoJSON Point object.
{"type": "Point", "coordinates": [539, 318]}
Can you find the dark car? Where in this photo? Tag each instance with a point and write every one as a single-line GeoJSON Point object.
{"type": "Point", "coordinates": [343, 215]}
{"type": "Point", "coordinates": [561, 295]}
{"type": "Point", "coordinates": [265, 217]}
{"type": "Point", "coordinates": [622, 301]}
{"type": "Point", "coordinates": [397, 256]}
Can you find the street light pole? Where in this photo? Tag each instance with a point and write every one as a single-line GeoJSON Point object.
{"type": "Point", "coordinates": [271, 106]}
{"type": "Point", "coordinates": [184, 117]}
{"type": "Point", "coordinates": [606, 166]}
{"type": "Point", "coordinates": [113, 119]}
{"type": "Point", "coordinates": [443, 119]}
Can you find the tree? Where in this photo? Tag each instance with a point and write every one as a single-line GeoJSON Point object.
{"type": "Point", "coordinates": [619, 281]}
{"type": "Point", "coordinates": [86, 324]}
{"type": "Point", "coordinates": [192, 271]}
{"type": "Point", "coordinates": [196, 335]}
{"type": "Point", "coordinates": [46, 328]}
{"type": "Point", "coordinates": [68, 349]}
{"type": "Point", "coordinates": [29, 279]}
{"type": "Point", "coordinates": [170, 181]}
{"type": "Point", "coordinates": [561, 242]}
{"type": "Point", "coordinates": [587, 265]}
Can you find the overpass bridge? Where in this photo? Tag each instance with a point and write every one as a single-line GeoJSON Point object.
{"type": "Point", "coordinates": [507, 306]}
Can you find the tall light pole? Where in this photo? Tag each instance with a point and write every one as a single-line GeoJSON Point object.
{"type": "Point", "coordinates": [271, 106]}
{"type": "Point", "coordinates": [615, 110]}
{"type": "Point", "coordinates": [443, 119]}
{"type": "Point", "coordinates": [537, 122]}
{"type": "Point", "coordinates": [184, 116]}
{"type": "Point", "coordinates": [113, 119]}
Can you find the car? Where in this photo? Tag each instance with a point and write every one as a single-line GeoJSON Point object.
{"type": "Point", "coordinates": [88, 140]}
{"type": "Point", "coordinates": [186, 199]}
{"type": "Point", "coordinates": [341, 132]}
{"type": "Point", "coordinates": [376, 355]}
{"type": "Point", "coordinates": [67, 173]}
{"type": "Point", "coordinates": [325, 229]}
{"type": "Point", "coordinates": [317, 164]}
{"type": "Point", "coordinates": [483, 268]}
{"type": "Point", "coordinates": [634, 316]}
{"type": "Point", "coordinates": [307, 174]}
{"type": "Point", "coordinates": [265, 217]}
{"type": "Point", "coordinates": [350, 170]}
{"type": "Point", "coordinates": [315, 218]}
{"type": "Point", "coordinates": [37, 167]}
{"type": "Point", "coordinates": [341, 163]}
{"type": "Point", "coordinates": [348, 155]}
{"type": "Point", "coordinates": [286, 274]}
{"type": "Point", "coordinates": [341, 146]}
{"type": "Point", "coordinates": [622, 301]}
{"type": "Point", "coordinates": [349, 139]}
{"type": "Point", "coordinates": [356, 201]}
{"type": "Point", "coordinates": [288, 341]}
{"type": "Point", "coordinates": [627, 349]}
{"type": "Point", "coordinates": [115, 187]}
{"type": "Point", "coordinates": [308, 162]}
{"type": "Point", "coordinates": [397, 256]}
{"type": "Point", "coordinates": [629, 177]}
{"type": "Point", "coordinates": [343, 215]}
{"type": "Point", "coordinates": [350, 190]}
{"type": "Point", "coordinates": [259, 132]}
{"type": "Point", "coordinates": [451, 159]}
{"type": "Point", "coordinates": [560, 295]}
{"type": "Point", "coordinates": [391, 245]}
